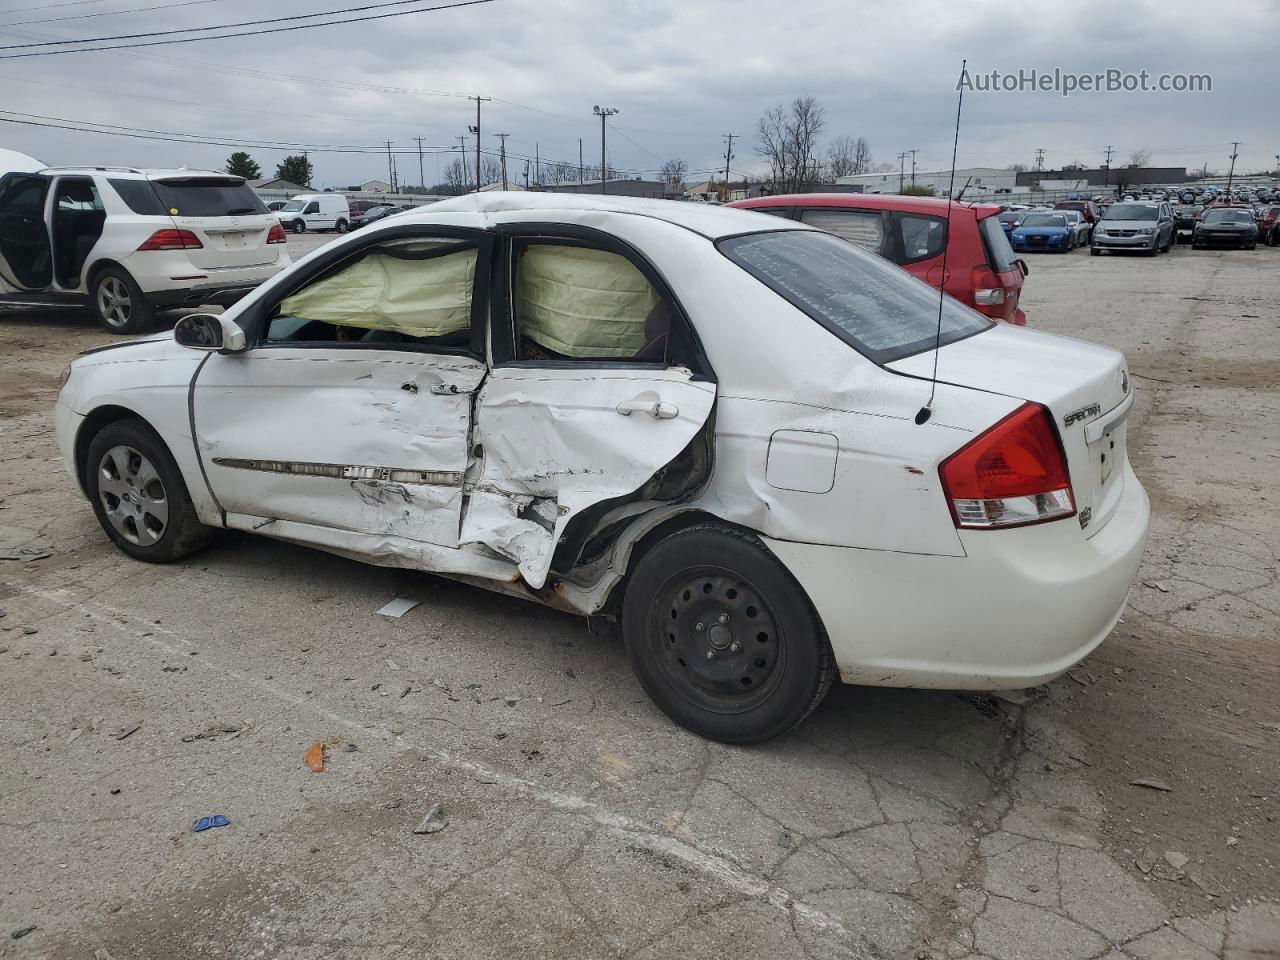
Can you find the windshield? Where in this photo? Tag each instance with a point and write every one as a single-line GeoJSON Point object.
{"type": "Point", "coordinates": [879, 309]}
{"type": "Point", "coordinates": [1044, 220]}
{"type": "Point", "coordinates": [1010, 216]}
{"type": "Point", "coordinates": [207, 198]}
{"type": "Point", "coordinates": [293, 206]}
{"type": "Point", "coordinates": [1131, 211]}
{"type": "Point", "coordinates": [1228, 216]}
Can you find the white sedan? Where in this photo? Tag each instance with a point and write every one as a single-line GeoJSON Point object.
{"type": "Point", "coordinates": [718, 428]}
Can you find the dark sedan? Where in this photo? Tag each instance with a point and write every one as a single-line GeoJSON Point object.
{"type": "Point", "coordinates": [1226, 227]}
{"type": "Point", "coordinates": [1184, 220]}
{"type": "Point", "coordinates": [375, 214]}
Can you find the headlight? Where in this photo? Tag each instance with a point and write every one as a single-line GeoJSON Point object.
{"type": "Point", "coordinates": [64, 376]}
{"type": "Point", "coordinates": [1146, 231]}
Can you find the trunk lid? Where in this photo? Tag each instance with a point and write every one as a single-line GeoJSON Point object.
{"type": "Point", "coordinates": [225, 214]}
{"type": "Point", "coordinates": [1085, 386]}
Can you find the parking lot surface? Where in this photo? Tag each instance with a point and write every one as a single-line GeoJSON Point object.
{"type": "Point", "coordinates": [1127, 809]}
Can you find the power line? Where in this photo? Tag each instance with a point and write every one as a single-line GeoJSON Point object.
{"type": "Point", "coordinates": [243, 33]}
{"type": "Point", "coordinates": [220, 26]}
{"type": "Point", "coordinates": [108, 13]}
{"type": "Point", "coordinates": [51, 6]}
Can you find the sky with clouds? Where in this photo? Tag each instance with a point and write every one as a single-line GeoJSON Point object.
{"type": "Point", "coordinates": [681, 74]}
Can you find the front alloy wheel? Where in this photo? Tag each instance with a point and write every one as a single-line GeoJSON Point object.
{"type": "Point", "coordinates": [133, 496]}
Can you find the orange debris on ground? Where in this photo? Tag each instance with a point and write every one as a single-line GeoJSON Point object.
{"type": "Point", "coordinates": [315, 757]}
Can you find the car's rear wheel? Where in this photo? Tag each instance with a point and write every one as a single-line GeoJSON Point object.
{"type": "Point", "coordinates": [139, 496]}
{"type": "Point", "coordinates": [119, 303]}
{"type": "Point", "coordinates": [298, 226]}
{"type": "Point", "coordinates": [722, 637]}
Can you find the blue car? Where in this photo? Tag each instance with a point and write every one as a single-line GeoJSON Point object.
{"type": "Point", "coordinates": [1009, 220]}
{"type": "Point", "coordinates": [1042, 231]}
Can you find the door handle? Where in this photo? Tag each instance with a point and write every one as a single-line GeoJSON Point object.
{"type": "Point", "coordinates": [654, 408]}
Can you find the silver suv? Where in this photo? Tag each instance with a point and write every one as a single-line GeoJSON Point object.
{"type": "Point", "coordinates": [125, 242]}
{"type": "Point", "coordinates": [1143, 225]}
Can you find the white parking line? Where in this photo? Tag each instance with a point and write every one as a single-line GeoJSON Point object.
{"type": "Point", "coordinates": [718, 868]}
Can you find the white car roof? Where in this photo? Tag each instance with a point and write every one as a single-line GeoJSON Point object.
{"type": "Point", "coordinates": [141, 173]}
{"type": "Point", "coordinates": [709, 220]}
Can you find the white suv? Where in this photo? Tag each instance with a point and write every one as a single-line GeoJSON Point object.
{"type": "Point", "coordinates": [125, 242]}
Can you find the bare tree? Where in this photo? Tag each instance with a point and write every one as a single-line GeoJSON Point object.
{"type": "Point", "coordinates": [848, 156]}
{"type": "Point", "coordinates": [674, 171]}
{"type": "Point", "coordinates": [458, 176]}
{"type": "Point", "coordinates": [555, 172]}
{"type": "Point", "coordinates": [491, 170]}
{"type": "Point", "coordinates": [788, 140]}
{"type": "Point", "coordinates": [1017, 167]}
{"type": "Point", "coordinates": [1140, 158]}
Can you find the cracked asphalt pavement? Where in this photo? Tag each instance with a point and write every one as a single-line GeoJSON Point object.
{"type": "Point", "coordinates": [579, 822]}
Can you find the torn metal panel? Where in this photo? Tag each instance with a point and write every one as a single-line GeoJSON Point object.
{"type": "Point", "coordinates": [369, 441]}
{"type": "Point", "coordinates": [573, 437]}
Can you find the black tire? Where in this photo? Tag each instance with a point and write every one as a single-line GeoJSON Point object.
{"type": "Point", "coordinates": [119, 303]}
{"type": "Point", "coordinates": [1252, 246]}
{"type": "Point", "coordinates": [728, 582]}
{"type": "Point", "coordinates": [181, 534]}
{"type": "Point", "coordinates": [1095, 252]}
{"type": "Point", "coordinates": [298, 226]}
{"type": "Point", "coordinates": [341, 226]}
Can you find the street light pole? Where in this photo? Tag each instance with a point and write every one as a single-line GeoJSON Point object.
{"type": "Point", "coordinates": [604, 113]}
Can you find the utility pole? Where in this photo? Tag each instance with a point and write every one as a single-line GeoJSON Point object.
{"type": "Point", "coordinates": [389, 174]}
{"type": "Point", "coordinates": [1235, 145]}
{"type": "Point", "coordinates": [503, 138]}
{"type": "Point", "coordinates": [1039, 159]}
{"type": "Point", "coordinates": [422, 179]}
{"type": "Point", "coordinates": [913, 166]}
{"type": "Point", "coordinates": [604, 113]}
{"type": "Point", "coordinates": [476, 131]}
{"type": "Point", "coordinates": [1106, 167]}
{"type": "Point", "coordinates": [728, 156]}
{"type": "Point", "coordinates": [537, 165]}
{"type": "Point", "coordinates": [902, 176]}
{"type": "Point", "coordinates": [580, 167]}
{"type": "Point", "coordinates": [395, 175]}
{"type": "Point", "coordinates": [526, 175]}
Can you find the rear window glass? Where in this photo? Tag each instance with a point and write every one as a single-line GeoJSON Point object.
{"type": "Point", "coordinates": [921, 237]}
{"type": "Point", "coordinates": [881, 311]}
{"type": "Point", "coordinates": [1000, 256]}
{"type": "Point", "coordinates": [207, 198]}
{"type": "Point", "coordinates": [138, 197]}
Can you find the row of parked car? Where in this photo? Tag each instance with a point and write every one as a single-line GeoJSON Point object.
{"type": "Point", "coordinates": [1146, 226]}
{"type": "Point", "coordinates": [330, 211]}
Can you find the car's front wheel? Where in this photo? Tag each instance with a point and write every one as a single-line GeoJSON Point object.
{"type": "Point", "coordinates": [723, 638]}
{"type": "Point", "coordinates": [298, 226]}
{"type": "Point", "coordinates": [341, 226]}
{"type": "Point", "coordinates": [119, 303]}
{"type": "Point", "coordinates": [139, 496]}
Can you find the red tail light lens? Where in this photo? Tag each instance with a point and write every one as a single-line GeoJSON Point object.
{"type": "Point", "coordinates": [171, 239]}
{"type": "Point", "coordinates": [1014, 474]}
{"type": "Point", "coordinates": [276, 234]}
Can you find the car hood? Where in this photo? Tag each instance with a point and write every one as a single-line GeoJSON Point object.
{"type": "Point", "coordinates": [158, 346]}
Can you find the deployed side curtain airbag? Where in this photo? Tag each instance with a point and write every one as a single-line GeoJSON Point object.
{"type": "Point", "coordinates": [398, 292]}
{"type": "Point", "coordinates": [579, 302]}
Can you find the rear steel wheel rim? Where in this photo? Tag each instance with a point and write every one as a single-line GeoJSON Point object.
{"type": "Point", "coordinates": [114, 302]}
{"type": "Point", "coordinates": [133, 496]}
{"type": "Point", "coordinates": [716, 640]}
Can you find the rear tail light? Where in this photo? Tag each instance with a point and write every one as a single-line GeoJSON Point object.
{"type": "Point", "coordinates": [1014, 474]}
{"type": "Point", "coordinates": [276, 234]}
{"type": "Point", "coordinates": [988, 291]}
{"type": "Point", "coordinates": [171, 239]}
{"type": "Point", "coordinates": [990, 297]}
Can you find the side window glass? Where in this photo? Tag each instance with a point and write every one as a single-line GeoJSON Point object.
{"type": "Point", "coordinates": [864, 228]}
{"type": "Point", "coordinates": [138, 196]}
{"type": "Point", "coordinates": [578, 303]}
{"type": "Point", "coordinates": [312, 207]}
{"type": "Point", "coordinates": [922, 238]}
{"type": "Point", "coordinates": [415, 291]}
{"type": "Point", "coordinates": [22, 196]}
{"type": "Point", "coordinates": [774, 211]}
{"type": "Point", "coordinates": [78, 195]}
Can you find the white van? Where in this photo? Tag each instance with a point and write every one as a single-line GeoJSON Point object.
{"type": "Point", "coordinates": [316, 211]}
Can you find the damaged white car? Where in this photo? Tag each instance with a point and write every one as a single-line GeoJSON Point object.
{"type": "Point", "coordinates": [699, 422]}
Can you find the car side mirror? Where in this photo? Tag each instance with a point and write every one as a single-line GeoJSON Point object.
{"type": "Point", "coordinates": [210, 333]}
{"type": "Point", "coordinates": [1022, 265]}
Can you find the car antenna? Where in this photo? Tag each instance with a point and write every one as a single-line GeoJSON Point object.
{"type": "Point", "coordinates": [925, 412]}
{"type": "Point", "coordinates": [960, 195]}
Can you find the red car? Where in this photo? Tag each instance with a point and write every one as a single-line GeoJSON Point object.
{"type": "Point", "coordinates": [1087, 208]}
{"type": "Point", "coordinates": [1269, 226]}
{"type": "Point", "coordinates": [911, 231]}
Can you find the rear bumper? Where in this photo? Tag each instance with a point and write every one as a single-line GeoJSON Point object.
{"type": "Point", "coordinates": [1022, 607]}
{"type": "Point", "coordinates": [223, 294]}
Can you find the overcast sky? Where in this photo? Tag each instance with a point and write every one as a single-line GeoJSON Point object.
{"type": "Point", "coordinates": [681, 74]}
